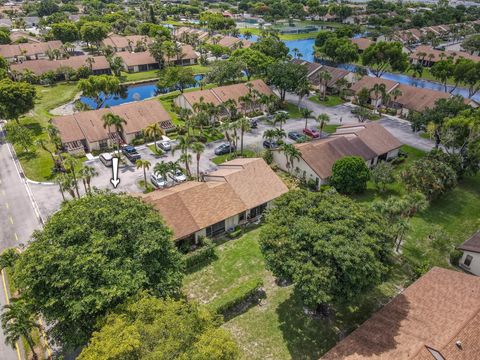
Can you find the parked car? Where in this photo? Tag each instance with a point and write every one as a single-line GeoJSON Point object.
{"type": "Point", "coordinates": [311, 132]}
{"type": "Point", "coordinates": [131, 153]}
{"type": "Point", "coordinates": [268, 144]}
{"type": "Point", "coordinates": [178, 176]}
{"type": "Point", "coordinates": [158, 180]}
{"type": "Point", "coordinates": [281, 112]}
{"type": "Point", "coordinates": [224, 149]}
{"type": "Point", "coordinates": [106, 159]}
{"type": "Point", "coordinates": [253, 124]}
{"type": "Point", "coordinates": [294, 135]}
{"type": "Point", "coordinates": [164, 145]}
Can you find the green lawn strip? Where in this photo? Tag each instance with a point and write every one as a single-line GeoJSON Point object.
{"type": "Point", "coordinates": [154, 74]}
{"type": "Point", "coordinates": [293, 110]}
{"type": "Point", "coordinates": [222, 158]}
{"type": "Point", "coordinates": [331, 100]}
{"type": "Point", "coordinates": [330, 128]}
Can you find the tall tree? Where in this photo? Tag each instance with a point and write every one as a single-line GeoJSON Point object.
{"type": "Point", "coordinates": [383, 56]}
{"type": "Point", "coordinates": [287, 77]}
{"type": "Point", "coordinates": [100, 88]}
{"type": "Point", "coordinates": [198, 148]}
{"type": "Point", "coordinates": [16, 99]}
{"type": "Point", "coordinates": [19, 135]}
{"type": "Point", "coordinates": [350, 175]}
{"type": "Point", "coordinates": [144, 165]}
{"type": "Point", "coordinates": [291, 154]}
{"type": "Point", "coordinates": [93, 254]}
{"type": "Point", "coordinates": [111, 120]}
{"type": "Point", "coordinates": [307, 238]}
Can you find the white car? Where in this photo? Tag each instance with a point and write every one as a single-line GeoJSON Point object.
{"type": "Point", "coordinates": [164, 145]}
{"type": "Point", "coordinates": [158, 180]}
{"type": "Point", "coordinates": [178, 176]}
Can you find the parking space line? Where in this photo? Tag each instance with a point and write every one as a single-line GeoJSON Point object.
{"type": "Point", "coordinates": [16, 236]}
{"type": "Point", "coordinates": [11, 220]}
{"type": "Point", "coordinates": [6, 205]}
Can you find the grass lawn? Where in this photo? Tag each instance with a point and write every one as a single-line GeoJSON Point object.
{"type": "Point", "coordinates": [153, 74]}
{"type": "Point", "coordinates": [331, 100]}
{"type": "Point", "coordinates": [222, 158]}
{"type": "Point", "coordinates": [38, 164]}
{"type": "Point", "coordinates": [293, 111]}
{"type": "Point", "coordinates": [278, 327]}
{"type": "Point", "coordinates": [330, 128]}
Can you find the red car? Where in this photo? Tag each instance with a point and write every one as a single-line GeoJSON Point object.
{"type": "Point", "coordinates": [311, 132]}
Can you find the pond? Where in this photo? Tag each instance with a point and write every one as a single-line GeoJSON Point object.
{"type": "Point", "coordinates": [135, 93]}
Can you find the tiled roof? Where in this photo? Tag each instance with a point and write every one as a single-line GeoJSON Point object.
{"type": "Point", "coordinates": [118, 41]}
{"type": "Point", "coordinates": [438, 54]}
{"type": "Point", "coordinates": [75, 62]}
{"type": "Point", "coordinates": [28, 49]}
{"type": "Point", "coordinates": [437, 311]}
{"type": "Point", "coordinates": [89, 124]}
{"type": "Point", "coordinates": [362, 43]}
{"type": "Point", "coordinates": [233, 189]}
{"type": "Point", "coordinates": [369, 81]}
{"type": "Point", "coordinates": [472, 244]}
{"type": "Point", "coordinates": [419, 99]}
{"type": "Point", "coordinates": [314, 69]}
{"type": "Point", "coordinates": [136, 58]}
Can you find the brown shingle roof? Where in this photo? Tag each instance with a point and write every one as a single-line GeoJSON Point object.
{"type": "Point", "coordinates": [438, 54]}
{"type": "Point", "coordinates": [138, 115]}
{"type": "Point", "coordinates": [440, 308]}
{"type": "Point", "coordinates": [472, 244]}
{"type": "Point", "coordinates": [321, 155]}
{"type": "Point", "coordinates": [28, 49]}
{"type": "Point", "coordinates": [229, 41]}
{"type": "Point", "coordinates": [362, 43]}
{"type": "Point", "coordinates": [118, 41]}
{"type": "Point", "coordinates": [419, 99]}
{"type": "Point", "coordinates": [135, 59]}
{"type": "Point", "coordinates": [369, 81]}
{"type": "Point", "coordinates": [234, 188]}
{"type": "Point", "coordinates": [75, 62]}
{"type": "Point", "coordinates": [374, 135]}
{"type": "Point", "coordinates": [187, 53]}
{"type": "Point", "coordinates": [313, 70]}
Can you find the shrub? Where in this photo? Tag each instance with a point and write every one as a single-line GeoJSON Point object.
{"type": "Point", "coordinates": [238, 296]}
{"type": "Point", "coordinates": [455, 256]}
{"type": "Point", "coordinates": [268, 156]}
{"type": "Point", "coordinates": [350, 175]}
{"type": "Point", "coordinates": [235, 233]}
{"type": "Point", "coordinates": [200, 256]}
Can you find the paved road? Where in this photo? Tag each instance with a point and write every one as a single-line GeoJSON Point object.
{"type": "Point", "coordinates": [17, 219]}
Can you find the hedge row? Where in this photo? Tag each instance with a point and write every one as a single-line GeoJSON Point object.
{"type": "Point", "coordinates": [205, 254]}
{"type": "Point", "coordinates": [237, 296]}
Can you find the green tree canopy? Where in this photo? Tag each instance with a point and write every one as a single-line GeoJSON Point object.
{"type": "Point", "coordinates": [92, 255]}
{"type": "Point", "coordinates": [151, 328]}
{"type": "Point", "coordinates": [287, 76]}
{"type": "Point", "coordinates": [100, 88]}
{"type": "Point", "coordinates": [176, 77]}
{"type": "Point", "coordinates": [255, 62]}
{"type": "Point", "coordinates": [94, 31]}
{"type": "Point", "coordinates": [331, 248]}
{"type": "Point", "coordinates": [350, 175]}
{"type": "Point", "coordinates": [383, 56]}
{"type": "Point", "coordinates": [16, 99]}
{"type": "Point", "coordinates": [271, 46]}
{"type": "Point", "coordinates": [66, 32]}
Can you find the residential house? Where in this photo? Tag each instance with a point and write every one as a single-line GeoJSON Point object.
{"type": "Point", "coordinates": [28, 51]}
{"type": "Point", "coordinates": [315, 69]}
{"type": "Point", "coordinates": [362, 43]}
{"type": "Point", "coordinates": [189, 35]}
{"type": "Point", "coordinates": [85, 131]}
{"type": "Point", "coordinates": [130, 43]}
{"type": "Point", "coordinates": [403, 98]}
{"type": "Point", "coordinates": [428, 56]}
{"type": "Point", "coordinates": [230, 42]}
{"type": "Point", "coordinates": [470, 260]}
{"type": "Point", "coordinates": [238, 192]}
{"type": "Point", "coordinates": [144, 61]}
{"type": "Point", "coordinates": [435, 318]}
{"type": "Point", "coordinates": [221, 94]}
{"type": "Point", "coordinates": [370, 141]}
{"type": "Point", "coordinates": [98, 64]}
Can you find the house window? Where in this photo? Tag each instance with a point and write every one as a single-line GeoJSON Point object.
{"type": "Point", "coordinates": [468, 260]}
{"type": "Point", "coordinates": [257, 211]}
{"type": "Point", "coordinates": [102, 144]}
{"type": "Point", "coordinates": [216, 229]}
{"type": "Point", "coordinates": [241, 216]}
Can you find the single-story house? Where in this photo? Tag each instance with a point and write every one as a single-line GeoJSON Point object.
{"type": "Point", "coordinates": [189, 35]}
{"type": "Point", "coordinates": [230, 42]}
{"type": "Point", "coordinates": [428, 56]}
{"type": "Point", "coordinates": [85, 131]}
{"type": "Point", "coordinates": [99, 65]}
{"type": "Point", "coordinates": [127, 43]}
{"type": "Point", "coordinates": [144, 61]}
{"type": "Point", "coordinates": [314, 69]}
{"type": "Point", "coordinates": [221, 94]}
{"type": "Point", "coordinates": [362, 43]}
{"type": "Point", "coordinates": [435, 318]}
{"type": "Point", "coordinates": [470, 260]}
{"type": "Point", "coordinates": [28, 51]}
{"type": "Point", "coordinates": [370, 141]}
{"type": "Point", "coordinates": [403, 98]}
{"type": "Point", "coordinates": [238, 192]}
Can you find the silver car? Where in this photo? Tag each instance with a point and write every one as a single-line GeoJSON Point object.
{"type": "Point", "coordinates": [158, 180]}
{"type": "Point", "coordinates": [178, 176]}
{"type": "Point", "coordinates": [164, 145]}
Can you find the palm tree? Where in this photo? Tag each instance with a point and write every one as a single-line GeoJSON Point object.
{"type": "Point", "coordinates": [153, 130]}
{"type": "Point", "coordinates": [322, 119]}
{"type": "Point", "coordinates": [379, 90]}
{"type": "Point", "coordinates": [306, 114]}
{"type": "Point", "coordinates": [269, 134]}
{"type": "Point", "coordinates": [244, 125]}
{"type": "Point", "coordinates": [71, 162]}
{"type": "Point", "coordinates": [186, 158]}
{"type": "Point", "coordinates": [198, 148]}
{"type": "Point", "coordinates": [145, 165]}
{"type": "Point", "coordinates": [87, 173]}
{"type": "Point", "coordinates": [19, 321]}
{"type": "Point", "coordinates": [281, 118]}
{"type": "Point", "coordinates": [183, 142]}
{"type": "Point", "coordinates": [43, 144]}
{"type": "Point", "coordinates": [60, 181]}
{"type": "Point", "coordinates": [324, 77]}
{"type": "Point", "coordinates": [111, 119]}
{"type": "Point", "coordinates": [291, 154]}
{"type": "Point", "coordinates": [162, 168]}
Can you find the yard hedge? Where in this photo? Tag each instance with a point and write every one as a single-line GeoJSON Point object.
{"type": "Point", "coordinates": [237, 296]}
{"type": "Point", "coordinates": [200, 256]}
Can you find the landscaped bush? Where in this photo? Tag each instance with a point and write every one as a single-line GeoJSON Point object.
{"type": "Point", "coordinates": [268, 156]}
{"type": "Point", "coordinates": [455, 256]}
{"type": "Point", "coordinates": [200, 256]}
{"type": "Point", "coordinates": [242, 295]}
{"type": "Point", "coordinates": [138, 141]}
{"type": "Point", "coordinates": [235, 233]}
